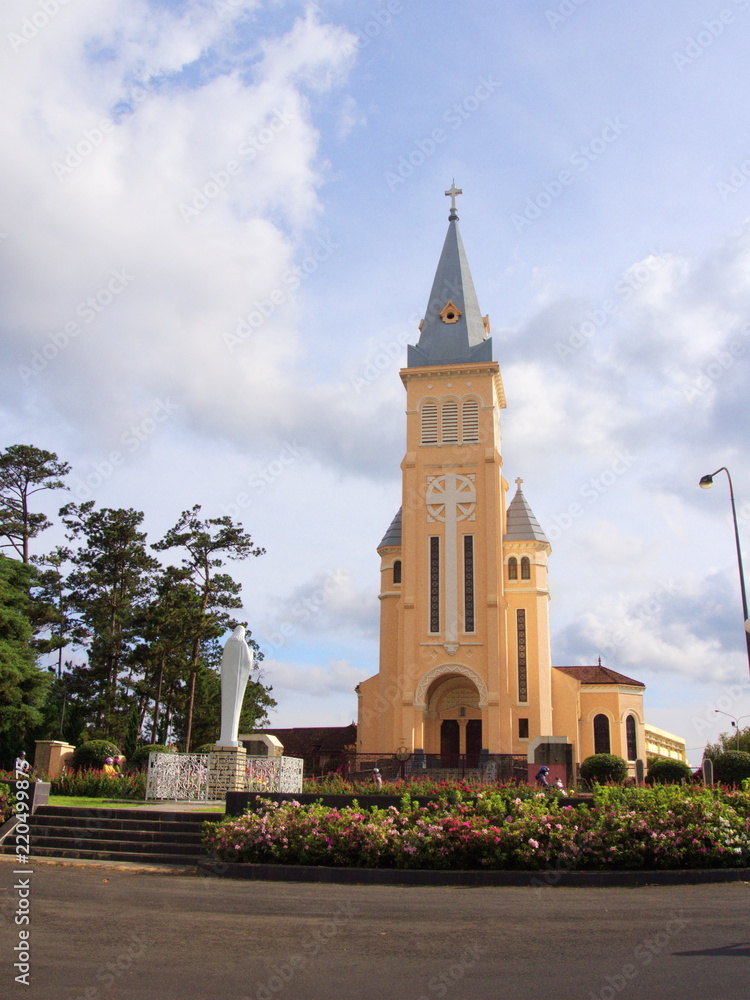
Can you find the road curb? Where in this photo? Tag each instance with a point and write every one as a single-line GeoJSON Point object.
{"type": "Point", "coordinates": [418, 877]}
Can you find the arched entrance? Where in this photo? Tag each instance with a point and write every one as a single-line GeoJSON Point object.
{"type": "Point", "coordinates": [453, 721]}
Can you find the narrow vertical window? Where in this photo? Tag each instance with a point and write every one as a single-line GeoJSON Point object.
{"type": "Point", "coordinates": [523, 729]}
{"type": "Point", "coordinates": [523, 684]}
{"type": "Point", "coordinates": [601, 734]}
{"type": "Point", "coordinates": [429, 423]}
{"type": "Point", "coordinates": [630, 737]}
{"type": "Point", "coordinates": [525, 568]}
{"type": "Point", "coordinates": [468, 583]}
{"type": "Point", "coordinates": [397, 571]}
{"type": "Point", "coordinates": [450, 422]}
{"type": "Point", "coordinates": [470, 420]}
{"type": "Point", "coordinates": [512, 568]}
{"type": "Point", "coordinates": [434, 584]}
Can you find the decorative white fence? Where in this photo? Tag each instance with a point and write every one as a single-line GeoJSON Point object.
{"type": "Point", "coordinates": [274, 774]}
{"type": "Point", "coordinates": [185, 776]}
{"type": "Point", "coordinates": [177, 776]}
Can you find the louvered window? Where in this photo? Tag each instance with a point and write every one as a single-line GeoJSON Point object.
{"type": "Point", "coordinates": [470, 420]}
{"type": "Point", "coordinates": [512, 568]}
{"type": "Point", "coordinates": [450, 422]}
{"type": "Point", "coordinates": [525, 568]}
{"type": "Point", "coordinates": [429, 423]}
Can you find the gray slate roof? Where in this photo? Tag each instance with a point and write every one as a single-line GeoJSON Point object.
{"type": "Point", "coordinates": [452, 343]}
{"type": "Point", "coordinates": [521, 524]}
{"type": "Point", "coordinates": [393, 535]}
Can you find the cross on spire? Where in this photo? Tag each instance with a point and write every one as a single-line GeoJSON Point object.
{"type": "Point", "coordinates": [451, 193]}
{"type": "Point", "coordinates": [518, 482]}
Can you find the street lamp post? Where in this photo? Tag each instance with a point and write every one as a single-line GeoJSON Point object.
{"type": "Point", "coordinates": [735, 722]}
{"type": "Point", "coordinates": [706, 483]}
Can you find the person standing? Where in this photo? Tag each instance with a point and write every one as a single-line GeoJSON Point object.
{"type": "Point", "coordinates": [22, 765]}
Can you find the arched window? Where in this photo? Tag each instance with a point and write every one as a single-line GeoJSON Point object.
{"type": "Point", "coordinates": [601, 734]}
{"type": "Point", "coordinates": [525, 568]}
{"type": "Point", "coordinates": [450, 422]}
{"type": "Point", "coordinates": [631, 737]}
{"type": "Point", "coordinates": [470, 420]}
{"type": "Point", "coordinates": [429, 423]}
{"type": "Point", "coordinates": [397, 571]}
{"type": "Point", "coordinates": [512, 568]}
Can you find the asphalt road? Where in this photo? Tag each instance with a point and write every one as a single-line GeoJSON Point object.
{"type": "Point", "coordinates": [126, 934]}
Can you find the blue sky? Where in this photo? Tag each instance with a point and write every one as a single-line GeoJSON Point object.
{"type": "Point", "coordinates": [220, 222]}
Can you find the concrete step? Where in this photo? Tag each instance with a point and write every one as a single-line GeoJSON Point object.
{"type": "Point", "coordinates": [165, 836]}
{"type": "Point", "coordinates": [85, 854]}
{"type": "Point", "coordinates": [192, 847]}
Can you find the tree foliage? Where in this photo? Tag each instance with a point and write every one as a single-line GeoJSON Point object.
{"type": "Point", "coordinates": [24, 471]}
{"type": "Point", "coordinates": [732, 767]}
{"type": "Point", "coordinates": [733, 740]}
{"type": "Point", "coordinates": [23, 686]}
{"type": "Point", "coordinates": [109, 583]}
{"type": "Point", "coordinates": [207, 544]}
{"type": "Point", "coordinates": [148, 633]}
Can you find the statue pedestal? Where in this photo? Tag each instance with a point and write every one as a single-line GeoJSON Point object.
{"type": "Point", "coordinates": [226, 771]}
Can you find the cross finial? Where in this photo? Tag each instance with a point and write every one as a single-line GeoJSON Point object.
{"type": "Point", "coordinates": [518, 482]}
{"type": "Point", "coordinates": [451, 193]}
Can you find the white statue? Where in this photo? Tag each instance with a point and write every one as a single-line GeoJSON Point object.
{"type": "Point", "coordinates": [236, 664]}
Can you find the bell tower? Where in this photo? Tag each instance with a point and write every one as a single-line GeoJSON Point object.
{"type": "Point", "coordinates": [464, 650]}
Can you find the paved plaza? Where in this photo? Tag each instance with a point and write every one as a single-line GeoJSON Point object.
{"type": "Point", "coordinates": [121, 933]}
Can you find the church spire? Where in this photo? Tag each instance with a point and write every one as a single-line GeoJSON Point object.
{"type": "Point", "coordinates": [453, 330]}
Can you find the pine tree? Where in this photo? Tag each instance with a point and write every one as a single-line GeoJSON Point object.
{"type": "Point", "coordinates": [24, 471]}
{"type": "Point", "coordinates": [23, 686]}
{"type": "Point", "coordinates": [208, 544]}
{"type": "Point", "coordinates": [108, 585]}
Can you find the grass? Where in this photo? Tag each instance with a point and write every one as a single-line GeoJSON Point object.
{"type": "Point", "coordinates": [87, 802]}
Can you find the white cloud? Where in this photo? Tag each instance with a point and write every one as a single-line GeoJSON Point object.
{"type": "Point", "coordinates": [338, 677]}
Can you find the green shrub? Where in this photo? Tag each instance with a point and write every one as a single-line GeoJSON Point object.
{"type": "Point", "coordinates": [206, 748]}
{"type": "Point", "coordinates": [668, 772]}
{"type": "Point", "coordinates": [139, 760]}
{"type": "Point", "coordinates": [604, 767]}
{"type": "Point", "coordinates": [92, 754]}
{"type": "Point", "coordinates": [6, 803]}
{"type": "Point", "coordinates": [732, 767]}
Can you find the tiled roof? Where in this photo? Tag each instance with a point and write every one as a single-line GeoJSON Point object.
{"type": "Point", "coordinates": [301, 742]}
{"type": "Point", "coordinates": [393, 535]}
{"type": "Point", "coordinates": [599, 675]}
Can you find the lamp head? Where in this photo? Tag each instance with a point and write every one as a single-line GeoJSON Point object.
{"type": "Point", "coordinates": [706, 482]}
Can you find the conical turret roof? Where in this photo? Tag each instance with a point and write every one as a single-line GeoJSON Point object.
{"type": "Point", "coordinates": [393, 535]}
{"type": "Point", "coordinates": [453, 330]}
{"type": "Point", "coordinates": [521, 524]}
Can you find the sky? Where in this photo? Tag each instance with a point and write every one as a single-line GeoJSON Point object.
{"type": "Point", "coordinates": [219, 224]}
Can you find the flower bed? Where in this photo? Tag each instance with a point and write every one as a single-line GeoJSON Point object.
{"type": "Point", "coordinates": [97, 784]}
{"type": "Point", "coordinates": [623, 829]}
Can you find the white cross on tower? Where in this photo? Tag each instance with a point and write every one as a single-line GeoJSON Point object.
{"type": "Point", "coordinates": [451, 499]}
{"type": "Point", "coordinates": [451, 193]}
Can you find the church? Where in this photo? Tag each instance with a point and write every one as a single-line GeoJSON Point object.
{"type": "Point", "coordinates": [465, 664]}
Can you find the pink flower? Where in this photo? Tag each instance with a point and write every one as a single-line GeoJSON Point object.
{"type": "Point", "coordinates": [533, 842]}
